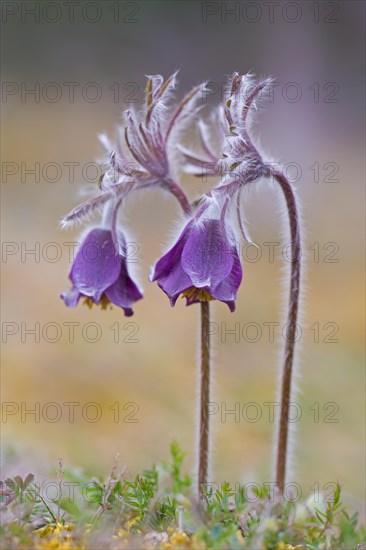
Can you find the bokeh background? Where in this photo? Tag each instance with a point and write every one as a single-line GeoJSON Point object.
{"type": "Point", "coordinates": [315, 123]}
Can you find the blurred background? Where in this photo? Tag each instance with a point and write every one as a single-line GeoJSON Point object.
{"type": "Point", "coordinates": [132, 381]}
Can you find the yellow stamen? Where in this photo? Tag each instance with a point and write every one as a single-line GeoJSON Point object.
{"type": "Point", "coordinates": [104, 302]}
{"type": "Point", "coordinates": [197, 294]}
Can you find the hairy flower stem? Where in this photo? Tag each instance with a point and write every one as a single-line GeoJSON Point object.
{"type": "Point", "coordinates": [204, 399]}
{"type": "Point", "coordinates": [179, 194]}
{"type": "Point", "coordinates": [286, 378]}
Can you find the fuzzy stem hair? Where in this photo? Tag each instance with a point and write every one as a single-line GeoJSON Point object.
{"type": "Point", "coordinates": [203, 456]}
{"type": "Point", "coordinates": [293, 311]}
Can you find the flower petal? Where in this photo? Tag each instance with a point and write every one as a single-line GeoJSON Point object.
{"type": "Point", "coordinates": [71, 297]}
{"type": "Point", "coordinates": [124, 292]}
{"type": "Point", "coordinates": [172, 258]}
{"type": "Point", "coordinates": [227, 290]}
{"type": "Point", "coordinates": [97, 264]}
{"type": "Point", "coordinates": [174, 283]}
{"type": "Point", "coordinates": [207, 256]}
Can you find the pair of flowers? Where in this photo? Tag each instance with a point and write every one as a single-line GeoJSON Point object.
{"type": "Point", "coordinates": [203, 265]}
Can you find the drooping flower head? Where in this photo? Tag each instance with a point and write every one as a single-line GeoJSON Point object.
{"type": "Point", "coordinates": [139, 159]}
{"type": "Point", "coordinates": [100, 274]}
{"type": "Point", "coordinates": [203, 265]}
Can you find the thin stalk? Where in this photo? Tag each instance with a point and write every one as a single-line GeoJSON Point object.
{"type": "Point", "coordinates": [287, 373]}
{"type": "Point", "coordinates": [204, 399]}
{"type": "Point", "coordinates": [179, 194]}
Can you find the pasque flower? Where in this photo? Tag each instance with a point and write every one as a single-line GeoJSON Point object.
{"type": "Point", "coordinates": [100, 275]}
{"type": "Point", "coordinates": [242, 164]}
{"type": "Point", "coordinates": [203, 265]}
{"type": "Point", "coordinates": [142, 161]}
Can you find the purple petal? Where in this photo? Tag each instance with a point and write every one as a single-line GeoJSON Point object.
{"type": "Point", "coordinates": [227, 290]}
{"type": "Point", "coordinates": [97, 264]}
{"type": "Point", "coordinates": [207, 256]}
{"type": "Point", "coordinates": [174, 283]}
{"type": "Point", "coordinates": [124, 292]}
{"type": "Point", "coordinates": [71, 297]}
{"type": "Point", "coordinates": [172, 258]}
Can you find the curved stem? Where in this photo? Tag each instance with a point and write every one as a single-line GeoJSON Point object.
{"type": "Point", "coordinates": [240, 220]}
{"type": "Point", "coordinates": [286, 379]}
{"type": "Point", "coordinates": [204, 399]}
{"type": "Point", "coordinates": [116, 208]}
{"type": "Point", "coordinates": [108, 213]}
{"type": "Point", "coordinates": [179, 194]}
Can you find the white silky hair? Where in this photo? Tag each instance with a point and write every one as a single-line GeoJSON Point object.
{"type": "Point", "coordinates": [207, 129]}
{"type": "Point", "coordinates": [212, 381]}
{"type": "Point", "coordinates": [284, 220]}
{"type": "Point", "coordinates": [248, 226]}
{"type": "Point", "coordinates": [165, 105]}
{"type": "Point", "coordinates": [301, 319]}
{"type": "Point", "coordinates": [260, 187]}
{"type": "Point", "coordinates": [247, 85]}
{"type": "Point", "coordinates": [258, 106]}
{"type": "Point", "coordinates": [106, 143]}
{"type": "Point", "coordinates": [83, 212]}
{"type": "Point", "coordinates": [191, 113]}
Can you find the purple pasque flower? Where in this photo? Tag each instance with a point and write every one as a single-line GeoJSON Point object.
{"type": "Point", "coordinates": [99, 274]}
{"type": "Point", "coordinates": [203, 265]}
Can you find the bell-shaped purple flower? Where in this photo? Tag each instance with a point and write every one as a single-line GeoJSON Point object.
{"type": "Point", "coordinates": [99, 273]}
{"type": "Point", "coordinates": [203, 265]}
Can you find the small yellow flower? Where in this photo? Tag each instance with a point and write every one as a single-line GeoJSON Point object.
{"type": "Point", "coordinates": [179, 537]}
{"type": "Point", "coordinates": [57, 529]}
{"type": "Point", "coordinates": [133, 522]}
{"type": "Point", "coordinates": [57, 536]}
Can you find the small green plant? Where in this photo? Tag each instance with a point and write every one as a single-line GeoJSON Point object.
{"type": "Point", "coordinates": [158, 509]}
{"type": "Point", "coordinates": [180, 482]}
